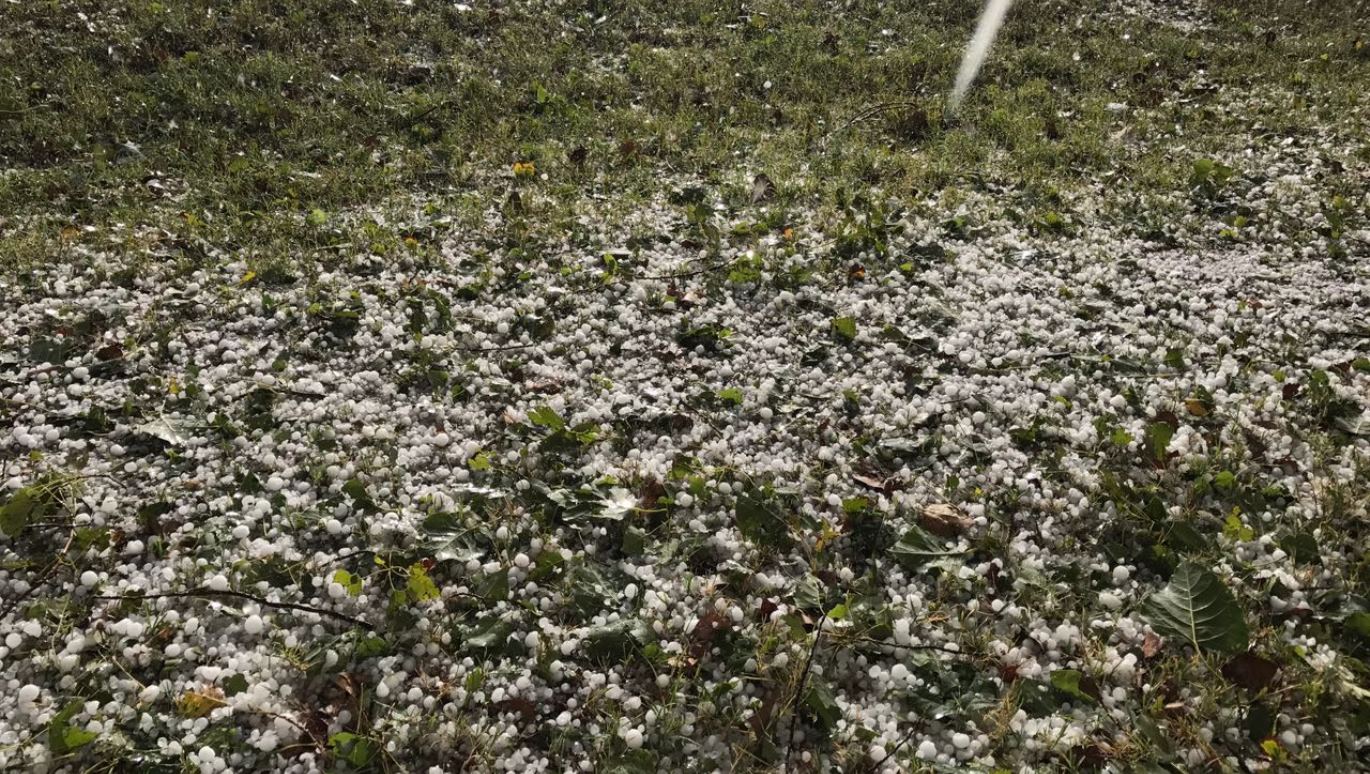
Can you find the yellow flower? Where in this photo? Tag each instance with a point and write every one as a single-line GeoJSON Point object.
{"type": "Point", "coordinates": [524, 169]}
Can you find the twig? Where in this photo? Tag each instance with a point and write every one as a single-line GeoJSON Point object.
{"type": "Point", "coordinates": [863, 115]}
{"type": "Point", "coordinates": [422, 114]}
{"type": "Point", "coordinates": [496, 349]}
{"type": "Point", "coordinates": [799, 691]}
{"type": "Point", "coordinates": [204, 593]}
{"type": "Point", "coordinates": [920, 646]}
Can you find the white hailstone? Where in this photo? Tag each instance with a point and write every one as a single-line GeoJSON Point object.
{"type": "Point", "coordinates": [14, 640]}
{"type": "Point", "coordinates": [960, 741]}
{"type": "Point", "coordinates": [684, 499]}
{"type": "Point", "coordinates": [633, 738]}
{"type": "Point", "coordinates": [29, 694]}
{"type": "Point", "coordinates": [89, 578]}
{"type": "Point", "coordinates": [521, 561]}
{"type": "Point", "coordinates": [241, 531]}
{"type": "Point", "coordinates": [218, 583]}
{"type": "Point", "coordinates": [275, 484]}
{"type": "Point", "coordinates": [899, 672]}
{"type": "Point", "coordinates": [333, 526]}
{"type": "Point", "coordinates": [1120, 575]}
{"type": "Point", "coordinates": [254, 624]}
{"type": "Point", "coordinates": [877, 752]}
{"type": "Point", "coordinates": [336, 590]}
{"type": "Point", "coordinates": [927, 750]}
{"type": "Point", "coordinates": [1110, 601]}
{"type": "Point", "coordinates": [901, 631]}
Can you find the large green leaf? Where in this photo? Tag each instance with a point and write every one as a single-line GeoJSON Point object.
{"type": "Point", "coordinates": [917, 546]}
{"type": "Point", "coordinates": [1197, 608]}
{"type": "Point", "coordinates": [758, 520]}
{"type": "Point", "coordinates": [63, 737]}
{"type": "Point", "coordinates": [25, 506]}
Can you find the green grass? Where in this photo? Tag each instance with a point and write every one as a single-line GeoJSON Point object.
{"type": "Point", "coordinates": [170, 125]}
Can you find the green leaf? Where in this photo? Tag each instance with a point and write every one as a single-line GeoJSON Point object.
{"type": "Point", "coordinates": [370, 646]}
{"type": "Point", "coordinates": [317, 217]}
{"type": "Point", "coordinates": [355, 489]}
{"type": "Point", "coordinates": [451, 543]}
{"type": "Point", "coordinates": [235, 685]}
{"type": "Point", "coordinates": [489, 634]}
{"type": "Point", "coordinates": [21, 509]}
{"type": "Point", "coordinates": [822, 703]}
{"type": "Point", "coordinates": [347, 580]}
{"type": "Point", "coordinates": [1074, 683]}
{"type": "Point", "coordinates": [420, 586]}
{"type": "Point", "coordinates": [64, 738]}
{"type": "Point", "coordinates": [731, 395]}
{"type": "Point", "coordinates": [1302, 546]}
{"type": "Point", "coordinates": [758, 521]}
{"type": "Point", "coordinates": [1158, 435]}
{"type": "Point", "coordinates": [1196, 607]}
{"type": "Point", "coordinates": [918, 545]}
{"type": "Point", "coordinates": [1234, 528]}
{"type": "Point", "coordinates": [544, 416]}
{"type": "Point", "coordinates": [358, 751]}
{"type": "Point", "coordinates": [613, 643]}
{"type": "Point", "coordinates": [1359, 623]}
{"type": "Point", "coordinates": [845, 328]}
{"type": "Point", "coordinates": [480, 462]}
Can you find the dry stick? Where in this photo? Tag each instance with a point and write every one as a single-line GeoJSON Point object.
{"type": "Point", "coordinates": [799, 692]}
{"type": "Point", "coordinates": [863, 115]}
{"type": "Point", "coordinates": [202, 593]}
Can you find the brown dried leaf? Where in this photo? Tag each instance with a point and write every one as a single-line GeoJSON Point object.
{"type": "Point", "coordinates": [944, 520]}
{"type": "Point", "coordinates": [1196, 407]}
{"type": "Point", "coordinates": [709, 626]}
{"type": "Point", "coordinates": [1151, 645]}
{"type": "Point", "coordinates": [871, 481]}
{"type": "Point", "coordinates": [197, 704]}
{"type": "Point", "coordinates": [1250, 671]}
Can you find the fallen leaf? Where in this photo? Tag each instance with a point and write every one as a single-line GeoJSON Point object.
{"type": "Point", "coordinates": [702, 637]}
{"type": "Point", "coordinates": [1196, 407]}
{"type": "Point", "coordinates": [944, 520]}
{"type": "Point", "coordinates": [1151, 645]}
{"type": "Point", "coordinates": [870, 481]}
{"type": "Point", "coordinates": [197, 704]}
{"type": "Point", "coordinates": [762, 188]}
{"type": "Point", "coordinates": [764, 610]}
{"type": "Point", "coordinates": [109, 352]}
{"type": "Point", "coordinates": [1250, 671]}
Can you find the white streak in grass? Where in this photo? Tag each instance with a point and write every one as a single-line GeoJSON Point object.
{"type": "Point", "coordinates": [985, 31]}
